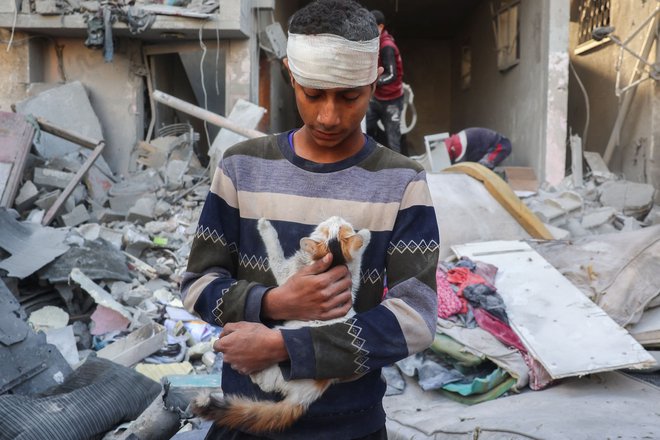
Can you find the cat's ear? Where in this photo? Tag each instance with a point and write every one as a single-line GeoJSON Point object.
{"type": "Point", "coordinates": [354, 242]}
{"type": "Point", "coordinates": [308, 245]}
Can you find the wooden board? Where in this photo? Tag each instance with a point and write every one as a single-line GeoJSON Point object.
{"type": "Point", "coordinates": [558, 324]}
{"type": "Point", "coordinates": [15, 142]}
{"type": "Point", "coordinates": [503, 193]}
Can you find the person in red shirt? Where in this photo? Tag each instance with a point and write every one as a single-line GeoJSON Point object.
{"type": "Point", "coordinates": [387, 102]}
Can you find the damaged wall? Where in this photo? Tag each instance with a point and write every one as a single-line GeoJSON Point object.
{"type": "Point", "coordinates": [14, 68]}
{"type": "Point", "coordinates": [527, 102]}
{"type": "Point", "coordinates": [427, 70]}
{"type": "Point", "coordinates": [637, 154]}
{"type": "Point", "coordinates": [115, 89]}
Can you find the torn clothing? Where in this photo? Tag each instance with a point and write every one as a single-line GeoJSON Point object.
{"type": "Point", "coordinates": [228, 271]}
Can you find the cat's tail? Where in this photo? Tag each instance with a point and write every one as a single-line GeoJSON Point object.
{"type": "Point", "coordinates": [245, 414]}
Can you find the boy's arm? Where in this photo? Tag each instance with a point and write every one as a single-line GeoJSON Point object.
{"type": "Point", "coordinates": [403, 324]}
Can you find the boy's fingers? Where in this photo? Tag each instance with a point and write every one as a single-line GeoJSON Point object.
{"type": "Point", "coordinates": [321, 265]}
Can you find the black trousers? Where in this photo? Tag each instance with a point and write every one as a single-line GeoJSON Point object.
{"type": "Point", "coordinates": [389, 113]}
{"type": "Point", "coordinates": [221, 433]}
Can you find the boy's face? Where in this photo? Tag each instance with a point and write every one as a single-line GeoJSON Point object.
{"type": "Point", "coordinates": [332, 117]}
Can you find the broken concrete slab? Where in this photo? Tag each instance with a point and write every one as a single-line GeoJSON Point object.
{"type": "Point", "coordinates": [143, 210]}
{"type": "Point", "coordinates": [46, 201]}
{"type": "Point", "coordinates": [26, 197]}
{"type": "Point", "coordinates": [598, 217]}
{"type": "Point", "coordinates": [244, 113]}
{"type": "Point", "coordinates": [31, 246]}
{"type": "Point", "coordinates": [52, 179]}
{"type": "Point", "coordinates": [98, 259]}
{"type": "Point", "coordinates": [65, 341]}
{"type": "Point", "coordinates": [77, 216]}
{"type": "Point", "coordinates": [99, 295]}
{"type": "Point", "coordinates": [630, 198]}
{"type": "Point", "coordinates": [67, 106]}
{"type": "Point", "coordinates": [598, 166]}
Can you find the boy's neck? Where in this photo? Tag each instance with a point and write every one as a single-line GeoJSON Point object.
{"type": "Point", "coordinates": [306, 147]}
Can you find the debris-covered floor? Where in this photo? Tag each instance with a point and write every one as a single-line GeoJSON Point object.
{"type": "Point", "coordinates": [92, 323]}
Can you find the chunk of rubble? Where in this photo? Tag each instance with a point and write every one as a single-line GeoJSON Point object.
{"type": "Point", "coordinates": [630, 198]}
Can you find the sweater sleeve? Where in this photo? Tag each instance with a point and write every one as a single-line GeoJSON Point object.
{"type": "Point", "coordinates": [209, 287]}
{"type": "Point", "coordinates": [401, 325]}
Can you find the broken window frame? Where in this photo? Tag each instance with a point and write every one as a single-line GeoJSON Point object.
{"type": "Point", "coordinates": [588, 21]}
{"type": "Point", "coordinates": [506, 27]}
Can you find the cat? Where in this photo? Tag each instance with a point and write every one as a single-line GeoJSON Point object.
{"type": "Point", "coordinates": [334, 235]}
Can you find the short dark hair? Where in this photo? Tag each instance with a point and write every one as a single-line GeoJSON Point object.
{"type": "Point", "coordinates": [345, 18]}
{"type": "Point", "coordinates": [379, 16]}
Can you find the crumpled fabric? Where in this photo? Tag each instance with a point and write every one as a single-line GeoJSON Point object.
{"type": "Point", "coordinates": [448, 302]}
{"type": "Point", "coordinates": [499, 329]}
{"type": "Point", "coordinates": [463, 277]}
{"type": "Point", "coordinates": [484, 297]}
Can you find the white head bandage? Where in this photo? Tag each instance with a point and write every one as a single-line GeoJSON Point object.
{"type": "Point", "coordinates": [327, 61]}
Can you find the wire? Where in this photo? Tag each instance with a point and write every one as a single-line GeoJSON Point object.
{"type": "Point", "coordinates": [13, 27]}
{"type": "Point", "coordinates": [201, 71]}
{"type": "Point", "coordinates": [586, 104]}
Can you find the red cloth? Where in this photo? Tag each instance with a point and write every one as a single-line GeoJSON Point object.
{"type": "Point", "coordinates": [448, 302]}
{"type": "Point", "coordinates": [499, 329]}
{"type": "Point", "coordinates": [463, 277]}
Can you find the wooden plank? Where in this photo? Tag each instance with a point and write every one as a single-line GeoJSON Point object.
{"type": "Point", "coordinates": [15, 141]}
{"type": "Point", "coordinates": [499, 189]}
{"type": "Point", "coordinates": [55, 208]}
{"type": "Point", "coordinates": [76, 138]}
{"type": "Point", "coordinates": [558, 324]}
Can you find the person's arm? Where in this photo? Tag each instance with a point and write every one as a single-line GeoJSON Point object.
{"type": "Point", "coordinates": [403, 324]}
{"type": "Point", "coordinates": [388, 60]}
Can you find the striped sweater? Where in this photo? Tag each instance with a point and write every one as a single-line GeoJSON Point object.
{"type": "Point", "coordinates": [228, 272]}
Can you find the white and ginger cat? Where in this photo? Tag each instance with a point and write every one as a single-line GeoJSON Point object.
{"type": "Point", "coordinates": [334, 235]}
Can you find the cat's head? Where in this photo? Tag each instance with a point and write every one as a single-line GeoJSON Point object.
{"type": "Point", "coordinates": [335, 235]}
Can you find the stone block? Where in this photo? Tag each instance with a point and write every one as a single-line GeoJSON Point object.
{"type": "Point", "coordinates": [52, 178]}
{"type": "Point", "coordinates": [76, 217]}
{"type": "Point", "coordinates": [27, 195]}
{"type": "Point", "coordinates": [630, 198]}
{"type": "Point", "coordinates": [46, 201]}
{"type": "Point", "coordinates": [598, 217]}
{"type": "Point", "coordinates": [143, 210]}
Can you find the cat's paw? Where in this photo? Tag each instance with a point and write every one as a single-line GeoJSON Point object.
{"type": "Point", "coordinates": [366, 237]}
{"type": "Point", "coordinates": [263, 224]}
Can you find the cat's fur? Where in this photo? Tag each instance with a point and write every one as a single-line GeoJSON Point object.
{"type": "Point", "coordinates": [261, 416]}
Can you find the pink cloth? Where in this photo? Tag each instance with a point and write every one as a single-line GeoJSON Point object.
{"type": "Point", "coordinates": [499, 329]}
{"type": "Point", "coordinates": [448, 302]}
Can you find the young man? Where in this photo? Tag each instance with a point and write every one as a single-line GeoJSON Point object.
{"type": "Point", "coordinates": [478, 144]}
{"type": "Point", "coordinates": [387, 103]}
{"type": "Point", "coordinates": [296, 180]}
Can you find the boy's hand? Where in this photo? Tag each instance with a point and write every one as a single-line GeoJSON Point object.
{"type": "Point", "coordinates": [312, 293]}
{"type": "Point", "coordinates": [250, 347]}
